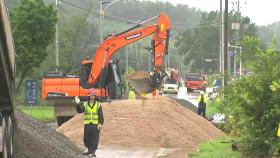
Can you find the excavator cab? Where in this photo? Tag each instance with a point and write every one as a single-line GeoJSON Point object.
{"type": "Point", "coordinates": [110, 79]}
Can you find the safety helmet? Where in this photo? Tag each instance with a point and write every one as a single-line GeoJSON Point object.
{"type": "Point", "coordinates": [201, 92]}
{"type": "Point", "coordinates": [91, 92]}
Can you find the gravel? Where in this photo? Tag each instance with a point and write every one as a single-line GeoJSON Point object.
{"type": "Point", "coordinates": [34, 139]}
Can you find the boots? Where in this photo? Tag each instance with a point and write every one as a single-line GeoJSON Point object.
{"type": "Point", "coordinates": [86, 152]}
{"type": "Point", "coordinates": [92, 154]}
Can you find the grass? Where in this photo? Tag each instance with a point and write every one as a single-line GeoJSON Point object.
{"type": "Point", "coordinates": [211, 108]}
{"type": "Point", "coordinates": [41, 113]}
{"type": "Point", "coordinates": [217, 148]}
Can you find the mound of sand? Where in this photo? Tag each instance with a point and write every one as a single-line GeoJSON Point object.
{"type": "Point", "coordinates": [35, 139]}
{"type": "Point", "coordinates": [159, 123]}
{"type": "Point", "coordinates": [140, 80]}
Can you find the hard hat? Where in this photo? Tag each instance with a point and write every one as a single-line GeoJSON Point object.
{"type": "Point", "coordinates": [91, 92]}
{"type": "Point", "coordinates": [201, 92]}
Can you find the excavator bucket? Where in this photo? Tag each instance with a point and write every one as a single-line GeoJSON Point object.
{"type": "Point", "coordinates": [140, 80]}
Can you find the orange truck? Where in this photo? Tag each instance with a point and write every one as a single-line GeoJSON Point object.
{"type": "Point", "coordinates": [101, 73]}
{"type": "Point", "coordinates": [195, 81]}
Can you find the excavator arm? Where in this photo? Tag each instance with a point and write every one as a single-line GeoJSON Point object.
{"type": "Point", "coordinates": [160, 32]}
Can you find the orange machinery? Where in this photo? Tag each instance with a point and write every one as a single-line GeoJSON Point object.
{"type": "Point", "coordinates": [102, 74]}
{"type": "Point", "coordinates": [97, 73]}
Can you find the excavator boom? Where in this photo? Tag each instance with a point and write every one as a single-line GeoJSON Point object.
{"type": "Point", "coordinates": [160, 40]}
{"type": "Point", "coordinates": [102, 74]}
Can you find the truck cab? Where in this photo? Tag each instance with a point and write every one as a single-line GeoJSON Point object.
{"type": "Point", "coordinates": [195, 81]}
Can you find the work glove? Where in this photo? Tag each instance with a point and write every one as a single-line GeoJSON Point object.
{"type": "Point", "coordinates": [77, 100]}
{"type": "Point", "coordinates": [99, 126]}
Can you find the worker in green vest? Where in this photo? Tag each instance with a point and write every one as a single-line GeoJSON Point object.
{"type": "Point", "coordinates": [202, 100]}
{"type": "Point", "coordinates": [131, 95]}
{"type": "Point", "coordinates": [93, 120]}
{"type": "Point", "coordinates": [202, 95]}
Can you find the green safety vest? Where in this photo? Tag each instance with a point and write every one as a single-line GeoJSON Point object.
{"type": "Point", "coordinates": [204, 97]}
{"type": "Point", "coordinates": [91, 114]}
{"type": "Point", "coordinates": [131, 95]}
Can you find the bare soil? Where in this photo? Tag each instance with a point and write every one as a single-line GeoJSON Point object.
{"type": "Point", "coordinates": [153, 123]}
{"type": "Point", "coordinates": [137, 75]}
{"type": "Point", "coordinates": [140, 80]}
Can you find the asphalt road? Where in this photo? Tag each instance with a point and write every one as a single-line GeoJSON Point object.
{"type": "Point", "coordinates": [183, 95]}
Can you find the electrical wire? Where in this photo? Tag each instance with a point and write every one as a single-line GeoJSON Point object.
{"type": "Point", "coordinates": [97, 14]}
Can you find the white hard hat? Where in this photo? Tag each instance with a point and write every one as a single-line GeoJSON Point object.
{"type": "Point", "coordinates": [201, 92]}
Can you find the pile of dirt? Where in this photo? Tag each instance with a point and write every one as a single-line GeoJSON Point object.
{"type": "Point", "coordinates": [140, 80]}
{"type": "Point", "coordinates": [137, 75]}
{"type": "Point", "coordinates": [159, 123]}
{"type": "Point", "coordinates": [36, 139]}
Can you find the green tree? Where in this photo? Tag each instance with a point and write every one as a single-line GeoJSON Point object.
{"type": "Point", "coordinates": [252, 105]}
{"type": "Point", "coordinates": [33, 27]}
{"type": "Point", "coordinates": [249, 49]}
{"type": "Point", "coordinates": [202, 41]}
{"type": "Point", "coordinates": [267, 32]}
{"type": "Point", "coordinates": [78, 38]}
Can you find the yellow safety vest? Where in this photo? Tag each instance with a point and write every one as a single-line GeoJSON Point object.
{"type": "Point", "coordinates": [205, 98]}
{"type": "Point", "coordinates": [91, 114]}
{"type": "Point", "coordinates": [131, 95]}
{"type": "Point", "coordinates": [278, 131]}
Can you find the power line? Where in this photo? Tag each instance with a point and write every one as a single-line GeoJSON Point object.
{"type": "Point", "coordinates": [97, 14]}
{"type": "Point", "coordinates": [198, 26]}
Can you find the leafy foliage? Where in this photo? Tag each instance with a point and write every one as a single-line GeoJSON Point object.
{"type": "Point", "coordinates": [33, 30]}
{"type": "Point", "coordinates": [252, 105]}
{"type": "Point", "coordinates": [202, 42]}
{"type": "Point", "coordinates": [266, 33]}
{"type": "Point", "coordinates": [78, 38]}
{"type": "Point", "coordinates": [249, 49]}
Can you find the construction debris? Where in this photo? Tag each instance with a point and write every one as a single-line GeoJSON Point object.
{"type": "Point", "coordinates": [161, 123]}
{"type": "Point", "coordinates": [35, 139]}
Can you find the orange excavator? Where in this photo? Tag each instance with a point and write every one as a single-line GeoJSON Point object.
{"type": "Point", "coordinates": [98, 73]}
{"type": "Point", "coordinates": [101, 73]}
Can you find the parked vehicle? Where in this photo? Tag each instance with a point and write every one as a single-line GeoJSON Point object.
{"type": "Point", "coordinates": [170, 86]}
{"type": "Point", "coordinates": [195, 81]}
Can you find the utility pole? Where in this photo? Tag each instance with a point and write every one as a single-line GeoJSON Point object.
{"type": "Point", "coordinates": [226, 75]}
{"type": "Point", "coordinates": [102, 8]}
{"type": "Point", "coordinates": [234, 62]}
{"type": "Point", "coordinates": [56, 38]}
{"type": "Point", "coordinates": [237, 33]}
{"type": "Point", "coordinates": [101, 15]}
{"type": "Point", "coordinates": [168, 61]}
{"type": "Point", "coordinates": [221, 38]}
{"type": "Point", "coordinates": [240, 64]}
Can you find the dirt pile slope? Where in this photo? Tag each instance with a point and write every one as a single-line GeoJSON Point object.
{"type": "Point", "coordinates": [35, 139]}
{"type": "Point", "coordinates": [159, 123]}
{"type": "Point", "coordinates": [140, 80]}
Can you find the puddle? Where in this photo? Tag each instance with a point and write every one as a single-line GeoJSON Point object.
{"type": "Point", "coordinates": [113, 152]}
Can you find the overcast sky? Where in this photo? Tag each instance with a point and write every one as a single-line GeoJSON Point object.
{"type": "Point", "coordinates": [261, 12]}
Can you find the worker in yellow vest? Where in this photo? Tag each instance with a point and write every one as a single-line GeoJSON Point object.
{"type": "Point", "coordinates": [202, 94]}
{"type": "Point", "coordinates": [202, 100]}
{"type": "Point", "coordinates": [93, 121]}
{"type": "Point", "coordinates": [131, 95]}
